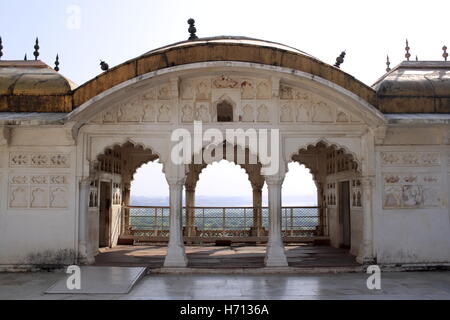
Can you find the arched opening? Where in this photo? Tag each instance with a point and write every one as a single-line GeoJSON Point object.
{"type": "Point", "coordinates": [339, 209]}
{"type": "Point", "coordinates": [300, 212]}
{"type": "Point", "coordinates": [226, 211]}
{"type": "Point", "coordinates": [149, 186]}
{"type": "Point", "coordinates": [223, 201]}
{"type": "Point", "coordinates": [147, 215]}
{"type": "Point", "coordinates": [110, 194]}
{"type": "Point", "coordinates": [224, 112]}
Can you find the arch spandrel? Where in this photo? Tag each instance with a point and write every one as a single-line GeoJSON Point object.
{"type": "Point", "coordinates": [184, 95]}
{"type": "Point", "coordinates": [99, 144]}
{"type": "Point", "coordinates": [351, 146]}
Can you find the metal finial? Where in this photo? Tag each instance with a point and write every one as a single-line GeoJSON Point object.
{"type": "Point", "coordinates": [388, 63]}
{"type": "Point", "coordinates": [1, 48]}
{"type": "Point", "coordinates": [192, 29]}
{"type": "Point", "coordinates": [445, 54]}
{"type": "Point", "coordinates": [36, 49]}
{"type": "Point", "coordinates": [57, 63]}
{"type": "Point", "coordinates": [25, 58]}
{"type": "Point", "coordinates": [340, 59]}
{"type": "Point", "coordinates": [103, 65]}
{"type": "Point", "coordinates": [407, 54]}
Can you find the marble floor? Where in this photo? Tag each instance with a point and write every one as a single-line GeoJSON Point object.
{"type": "Point", "coordinates": [394, 285]}
{"type": "Point", "coordinates": [299, 256]}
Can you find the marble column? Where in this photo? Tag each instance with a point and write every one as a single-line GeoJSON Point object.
{"type": "Point", "coordinates": [176, 255]}
{"type": "Point", "coordinates": [366, 252]}
{"type": "Point", "coordinates": [84, 254]}
{"type": "Point", "coordinates": [275, 255]}
{"type": "Point", "coordinates": [126, 212]}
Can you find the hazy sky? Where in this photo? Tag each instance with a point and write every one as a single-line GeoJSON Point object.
{"type": "Point", "coordinates": [226, 179]}
{"type": "Point", "coordinates": [118, 30]}
{"type": "Point", "coordinates": [83, 32]}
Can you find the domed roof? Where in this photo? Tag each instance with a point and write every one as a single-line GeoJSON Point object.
{"type": "Point", "coordinates": [415, 87]}
{"type": "Point", "coordinates": [33, 86]}
{"type": "Point", "coordinates": [235, 40]}
{"type": "Point", "coordinates": [223, 48]}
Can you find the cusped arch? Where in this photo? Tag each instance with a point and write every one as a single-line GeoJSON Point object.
{"type": "Point", "coordinates": [328, 144]}
{"type": "Point", "coordinates": [237, 147]}
{"type": "Point", "coordinates": [122, 144]}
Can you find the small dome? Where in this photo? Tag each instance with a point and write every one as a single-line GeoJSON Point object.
{"type": "Point", "coordinates": [32, 78]}
{"type": "Point", "coordinates": [33, 86]}
{"type": "Point", "coordinates": [415, 87]}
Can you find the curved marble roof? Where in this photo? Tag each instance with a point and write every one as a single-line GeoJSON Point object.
{"type": "Point", "coordinates": [33, 86]}
{"type": "Point", "coordinates": [411, 87]}
{"type": "Point", "coordinates": [32, 78]}
{"type": "Point", "coordinates": [415, 86]}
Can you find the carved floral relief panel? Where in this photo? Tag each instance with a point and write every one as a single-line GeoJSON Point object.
{"type": "Point", "coordinates": [38, 191]}
{"type": "Point", "coordinates": [412, 190]}
{"type": "Point", "coordinates": [154, 105]}
{"type": "Point", "coordinates": [39, 160]}
{"type": "Point", "coordinates": [417, 159]}
{"type": "Point", "coordinates": [299, 105]}
{"type": "Point", "coordinates": [196, 98]}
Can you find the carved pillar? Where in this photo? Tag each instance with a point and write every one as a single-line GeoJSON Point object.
{"type": "Point", "coordinates": [126, 211]}
{"type": "Point", "coordinates": [84, 253]}
{"type": "Point", "coordinates": [366, 252]}
{"type": "Point", "coordinates": [176, 255]}
{"type": "Point", "coordinates": [191, 184]}
{"type": "Point", "coordinates": [257, 182]}
{"type": "Point", "coordinates": [275, 255]}
{"type": "Point", "coordinates": [190, 230]}
{"type": "Point", "coordinates": [257, 229]}
{"type": "Point", "coordinates": [321, 212]}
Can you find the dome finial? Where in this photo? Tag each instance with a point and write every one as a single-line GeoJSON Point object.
{"type": "Point", "coordinates": [407, 54]}
{"type": "Point", "coordinates": [104, 66]}
{"type": "Point", "coordinates": [340, 59]}
{"type": "Point", "coordinates": [192, 29]}
{"type": "Point", "coordinates": [57, 63]}
{"type": "Point", "coordinates": [388, 63]}
{"type": "Point", "coordinates": [36, 49]}
{"type": "Point", "coordinates": [445, 54]}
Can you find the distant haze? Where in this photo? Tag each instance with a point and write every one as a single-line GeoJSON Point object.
{"type": "Point", "coordinates": [222, 184]}
{"type": "Point", "coordinates": [202, 201]}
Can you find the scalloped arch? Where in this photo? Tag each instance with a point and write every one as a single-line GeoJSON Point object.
{"type": "Point", "coordinates": [327, 144]}
{"type": "Point", "coordinates": [137, 145]}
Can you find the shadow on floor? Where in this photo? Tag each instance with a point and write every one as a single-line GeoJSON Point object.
{"type": "Point", "coordinates": [152, 256]}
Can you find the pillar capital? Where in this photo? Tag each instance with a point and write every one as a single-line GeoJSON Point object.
{"type": "Point", "coordinates": [367, 181]}
{"type": "Point", "coordinates": [176, 181]}
{"type": "Point", "coordinates": [85, 181]}
{"type": "Point", "coordinates": [275, 180]}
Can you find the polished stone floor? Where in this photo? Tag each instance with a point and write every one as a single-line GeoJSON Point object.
{"type": "Point", "coordinates": [395, 285]}
{"type": "Point", "coordinates": [299, 256]}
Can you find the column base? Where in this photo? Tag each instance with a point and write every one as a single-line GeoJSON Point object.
{"type": "Point", "coordinates": [275, 256]}
{"type": "Point", "coordinates": [365, 261]}
{"type": "Point", "coordinates": [190, 231]}
{"type": "Point", "coordinates": [258, 232]}
{"type": "Point", "coordinates": [176, 257]}
{"type": "Point", "coordinates": [85, 256]}
{"type": "Point", "coordinates": [365, 257]}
